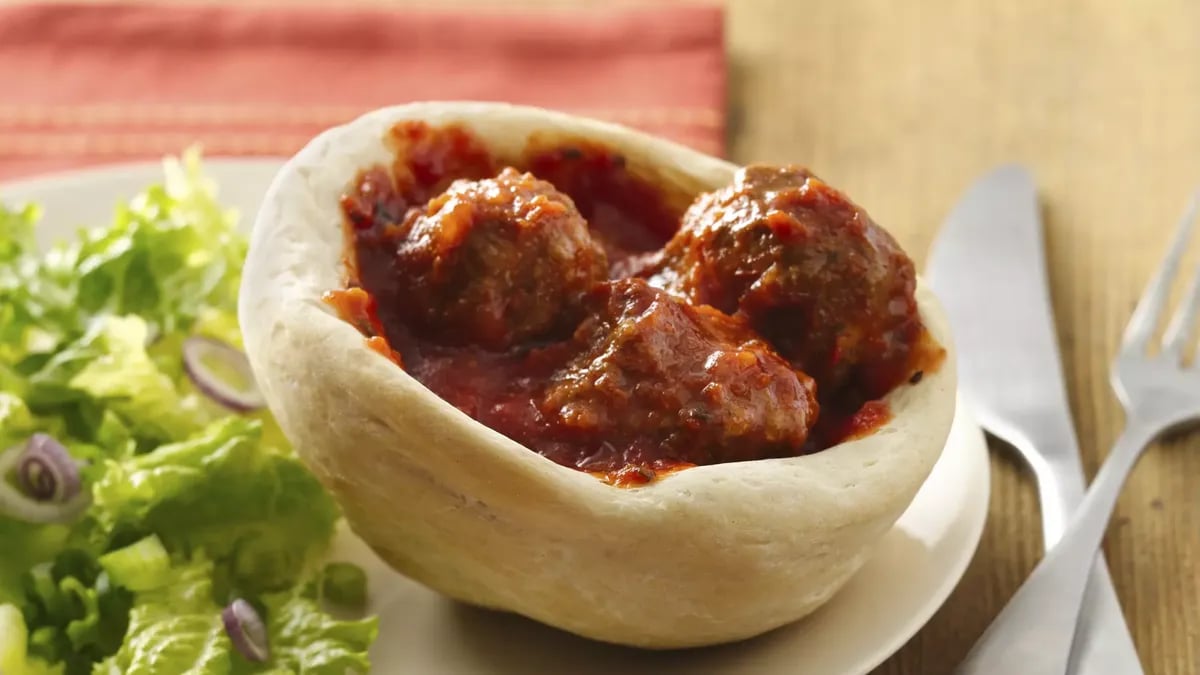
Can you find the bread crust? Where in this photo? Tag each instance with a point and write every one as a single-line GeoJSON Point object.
{"type": "Point", "coordinates": [705, 555]}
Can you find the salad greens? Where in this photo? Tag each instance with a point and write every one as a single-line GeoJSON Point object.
{"type": "Point", "coordinates": [189, 504]}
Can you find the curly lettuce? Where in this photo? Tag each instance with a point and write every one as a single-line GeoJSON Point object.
{"type": "Point", "coordinates": [169, 253]}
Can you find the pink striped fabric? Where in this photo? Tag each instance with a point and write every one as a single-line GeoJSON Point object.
{"type": "Point", "coordinates": [90, 84]}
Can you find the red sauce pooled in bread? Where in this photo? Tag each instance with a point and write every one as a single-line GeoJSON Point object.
{"type": "Point", "coordinates": [575, 307]}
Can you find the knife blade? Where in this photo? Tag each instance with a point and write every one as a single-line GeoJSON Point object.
{"type": "Point", "coordinates": [988, 267]}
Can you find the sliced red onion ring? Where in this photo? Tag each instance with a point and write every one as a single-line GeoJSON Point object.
{"type": "Point", "coordinates": [246, 630]}
{"type": "Point", "coordinates": [46, 471]}
{"type": "Point", "coordinates": [222, 373]}
{"type": "Point", "coordinates": [20, 506]}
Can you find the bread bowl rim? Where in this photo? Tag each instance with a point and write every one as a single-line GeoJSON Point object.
{"type": "Point", "coordinates": [882, 478]}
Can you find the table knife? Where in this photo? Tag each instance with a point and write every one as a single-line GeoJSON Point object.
{"type": "Point", "coordinates": [988, 267]}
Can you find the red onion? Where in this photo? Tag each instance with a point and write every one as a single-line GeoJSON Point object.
{"type": "Point", "coordinates": [46, 471]}
{"type": "Point", "coordinates": [246, 630]}
{"type": "Point", "coordinates": [49, 481]}
{"type": "Point", "coordinates": [208, 362]}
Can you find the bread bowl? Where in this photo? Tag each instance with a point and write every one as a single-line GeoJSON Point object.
{"type": "Point", "coordinates": [702, 555]}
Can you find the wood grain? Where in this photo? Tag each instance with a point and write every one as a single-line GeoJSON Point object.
{"type": "Point", "coordinates": [902, 104]}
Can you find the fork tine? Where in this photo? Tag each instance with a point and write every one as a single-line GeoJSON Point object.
{"type": "Point", "coordinates": [1145, 317]}
{"type": "Point", "coordinates": [1183, 323]}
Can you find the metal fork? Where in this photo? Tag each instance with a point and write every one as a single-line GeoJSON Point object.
{"type": "Point", "coordinates": [1033, 634]}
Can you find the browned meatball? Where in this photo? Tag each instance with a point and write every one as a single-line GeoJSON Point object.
{"type": "Point", "coordinates": [658, 380]}
{"type": "Point", "coordinates": [810, 271]}
{"type": "Point", "coordinates": [495, 262]}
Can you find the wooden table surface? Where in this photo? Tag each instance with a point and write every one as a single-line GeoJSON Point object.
{"type": "Point", "coordinates": [902, 104]}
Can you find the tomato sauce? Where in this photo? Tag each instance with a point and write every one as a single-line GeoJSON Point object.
{"type": "Point", "coordinates": [628, 433]}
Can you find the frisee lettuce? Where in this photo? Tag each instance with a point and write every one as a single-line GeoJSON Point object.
{"type": "Point", "coordinates": [190, 503]}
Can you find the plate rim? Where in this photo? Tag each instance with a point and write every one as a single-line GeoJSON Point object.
{"type": "Point", "coordinates": [977, 525]}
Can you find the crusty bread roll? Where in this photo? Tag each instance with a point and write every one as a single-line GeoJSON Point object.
{"type": "Point", "coordinates": [704, 555]}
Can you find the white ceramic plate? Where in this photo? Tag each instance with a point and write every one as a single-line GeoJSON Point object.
{"type": "Point", "coordinates": [912, 572]}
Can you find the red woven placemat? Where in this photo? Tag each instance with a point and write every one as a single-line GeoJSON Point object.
{"type": "Point", "coordinates": [89, 84]}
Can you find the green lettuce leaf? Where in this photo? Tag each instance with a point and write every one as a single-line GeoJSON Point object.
{"type": "Point", "coordinates": [16, 231]}
{"type": "Point", "coordinates": [75, 615]}
{"type": "Point", "coordinates": [168, 254]}
{"type": "Point", "coordinates": [171, 256]}
{"type": "Point", "coordinates": [16, 422]}
{"type": "Point", "coordinates": [167, 353]}
{"type": "Point", "coordinates": [343, 584]}
{"type": "Point", "coordinates": [140, 566]}
{"type": "Point", "coordinates": [25, 545]}
{"type": "Point", "coordinates": [37, 294]}
{"type": "Point", "coordinates": [175, 628]}
{"type": "Point", "coordinates": [254, 509]}
{"type": "Point", "coordinates": [14, 653]}
{"type": "Point", "coordinates": [109, 370]}
{"type": "Point", "coordinates": [304, 639]}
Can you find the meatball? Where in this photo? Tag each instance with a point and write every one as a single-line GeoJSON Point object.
{"type": "Point", "coordinates": [809, 270]}
{"type": "Point", "coordinates": [495, 263]}
{"type": "Point", "coordinates": [658, 380]}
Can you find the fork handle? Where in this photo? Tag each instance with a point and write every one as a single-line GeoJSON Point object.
{"type": "Point", "coordinates": [1034, 632]}
{"type": "Point", "coordinates": [1103, 644]}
